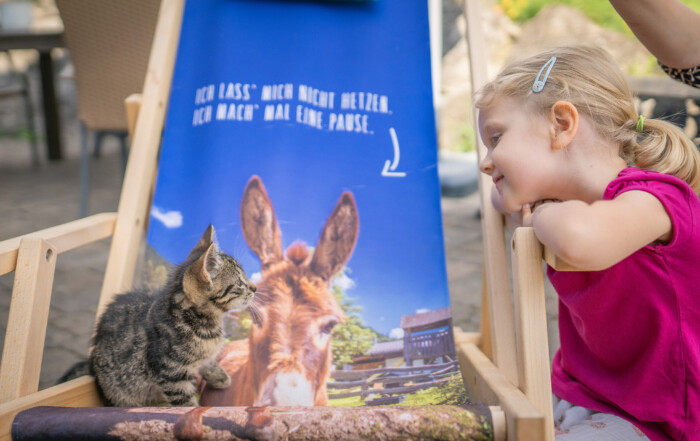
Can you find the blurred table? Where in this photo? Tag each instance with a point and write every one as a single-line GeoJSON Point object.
{"type": "Point", "coordinates": [43, 42]}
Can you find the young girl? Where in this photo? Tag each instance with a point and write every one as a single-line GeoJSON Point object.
{"type": "Point", "coordinates": [561, 126]}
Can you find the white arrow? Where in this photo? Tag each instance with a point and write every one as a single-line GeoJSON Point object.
{"type": "Point", "coordinates": [390, 166]}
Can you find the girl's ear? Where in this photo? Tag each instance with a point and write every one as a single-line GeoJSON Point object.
{"type": "Point", "coordinates": [564, 118]}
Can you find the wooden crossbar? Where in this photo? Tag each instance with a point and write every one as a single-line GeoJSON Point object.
{"type": "Point", "coordinates": [63, 237]}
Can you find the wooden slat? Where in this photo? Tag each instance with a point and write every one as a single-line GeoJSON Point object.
{"type": "Point", "coordinates": [531, 323]}
{"type": "Point", "coordinates": [557, 263]}
{"type": "Point", "coordinates": [498, 418]}
{"type": "Point", "coordinates": [63, 237]}
{"type": "Point", "coordinates": [26, 323]}
{"type": "Point", "coordinates": [489, 385]}
{"type": "Point", "coordinates": [132, 105]}
{"type": "Point", "coordinates": [492, 222]}
{"type": "Point", "coordinates": [486, 344]}
{"type": "Point", "coordinates": [141, 168]}
{"type": "Point", "coordinates": [80, 392]}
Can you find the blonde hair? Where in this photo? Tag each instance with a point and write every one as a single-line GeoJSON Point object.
{"type": "Point", "coordinates": [589, 78]}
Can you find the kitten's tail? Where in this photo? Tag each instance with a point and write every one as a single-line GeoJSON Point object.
{"type": "Point", "coordinates": [77, 370]}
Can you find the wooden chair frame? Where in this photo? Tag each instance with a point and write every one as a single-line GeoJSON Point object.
{"type": "Point", "coordinates": [505, 365]}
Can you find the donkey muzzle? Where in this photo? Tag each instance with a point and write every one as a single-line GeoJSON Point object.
{"type": "Point", "coordinates": [286, 389]}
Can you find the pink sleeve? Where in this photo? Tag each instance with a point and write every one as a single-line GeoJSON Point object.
{"type": "Point", "coordinates": [675, 195]}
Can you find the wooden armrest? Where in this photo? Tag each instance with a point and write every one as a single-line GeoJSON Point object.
{"type": "Point", "coordinates": [552, 259]}
{"type": "Point", "coordinates": [489, 385]}
{"type": "Point", "coordinates": [63, 237]}
{"type": "Point", "coordinates": [80, 392]}
{"type": "Point", "coordinates": [557, 263]}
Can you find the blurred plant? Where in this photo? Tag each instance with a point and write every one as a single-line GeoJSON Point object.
{"type": "Point", "coordinates": [27, 135]}
{"type": "Point", "coordinates": [601, 12]}
{"type": "Point", "coordinates": [513, 8]}
{"type": "Point", "coordinates": [154, 275]}
{"type": "Point", "coordinates": [467, 138]}
{"type": "Point", "coordinates": [646, 68]}
{"type": "Point", "coordinates": [237, 325]}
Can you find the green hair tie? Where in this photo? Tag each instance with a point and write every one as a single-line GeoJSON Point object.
{"type": "Point", "coordinates": [640, 124]}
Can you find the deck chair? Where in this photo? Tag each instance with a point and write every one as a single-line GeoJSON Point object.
{"type": "Point", "coordinates": [506, 366]}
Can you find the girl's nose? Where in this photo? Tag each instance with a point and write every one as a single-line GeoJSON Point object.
{"type": "Point", "coordinates": [486, 165]}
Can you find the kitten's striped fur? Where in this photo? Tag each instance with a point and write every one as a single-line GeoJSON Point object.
{"type": "Point", "coordinates": [148, 347]}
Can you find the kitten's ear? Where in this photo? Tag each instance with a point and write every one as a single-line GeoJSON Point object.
{"type": "Point", "coordinates": [208, 238]}
{"type": "Point", "coordinates": [203, 270]}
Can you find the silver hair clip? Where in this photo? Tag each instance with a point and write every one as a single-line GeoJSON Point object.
{"type": "Point", "coordinates": [538, 85]}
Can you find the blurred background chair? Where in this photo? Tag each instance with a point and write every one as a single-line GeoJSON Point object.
{"type": "Point", "coordinates": [13, 83]}
{"type": "Point", "coordinates": [109, 43]}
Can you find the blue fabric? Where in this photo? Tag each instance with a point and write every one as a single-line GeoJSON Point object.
{"type": "Point", "coordinates": [316, 98]}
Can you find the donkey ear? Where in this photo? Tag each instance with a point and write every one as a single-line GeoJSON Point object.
{"type": "Point", "coordinates": [337, 238]}
{"type": "Point", "coordinates": [259, 223]}
{"type": "Point", "coordinates": [208, 238]}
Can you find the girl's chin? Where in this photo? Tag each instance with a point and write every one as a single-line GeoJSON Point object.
{"type": "Point", "coordinates": [512, 207]}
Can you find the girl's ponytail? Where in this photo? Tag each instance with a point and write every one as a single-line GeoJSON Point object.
{"type": "Point", "coordinates": [663, 147]}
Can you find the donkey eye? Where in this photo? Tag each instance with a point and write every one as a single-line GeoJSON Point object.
{"type": "Point", "coordinates": [327, 328]}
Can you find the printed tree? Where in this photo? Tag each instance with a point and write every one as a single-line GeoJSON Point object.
{"type": "Point", "coordinates": [351, 337]}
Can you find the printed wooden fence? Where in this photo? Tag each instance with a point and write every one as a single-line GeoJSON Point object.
{"type": "Point", "coordinates": [389, 381]}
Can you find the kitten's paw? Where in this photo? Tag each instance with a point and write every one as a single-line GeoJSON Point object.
{"type": "Point", "coordinates": [215, 376]}
{"type": "Point", "coordinates": [219, 380]}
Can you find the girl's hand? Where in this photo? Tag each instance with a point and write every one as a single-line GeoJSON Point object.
{"type": "Point", "coordinates": [526, 215]}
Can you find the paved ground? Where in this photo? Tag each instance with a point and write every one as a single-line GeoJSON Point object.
{"type": "Point", "coordinates": [35, 198]}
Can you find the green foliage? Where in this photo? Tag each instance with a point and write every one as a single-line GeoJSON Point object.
{"type": "Point", "coordinates": [640, 69]}
{"type": "Point", "coordinates": [467, 138]}
{"type": "Point", "coordinates": [154, 275]}
{"type": "Point", "coordinates": [452, 392]}
{"type": "Point", "coordinates": [27, 135]}
{"type": "Point", "coordinates": [237, 325]}
{"type": "Point", "coordinates": [600, 11]}
{"type": "Point", "coordinates": [346, 402]}
{"type": "Point", "coordinates": [351, 337]}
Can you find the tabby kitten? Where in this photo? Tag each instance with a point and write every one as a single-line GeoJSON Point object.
{"type": "Point", "coordinates": [148, 347]}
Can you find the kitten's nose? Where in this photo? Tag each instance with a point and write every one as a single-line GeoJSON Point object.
{"type": "Point", "coordinates": [251, 286]}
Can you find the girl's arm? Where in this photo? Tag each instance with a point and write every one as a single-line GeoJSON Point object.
{"type": "Point", "coordinates": [668, 28]}
{"type": "Point", "coordinates": [601, 234]}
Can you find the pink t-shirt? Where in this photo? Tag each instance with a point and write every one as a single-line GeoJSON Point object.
{"type": "Point", "coordinates": [630, 335]}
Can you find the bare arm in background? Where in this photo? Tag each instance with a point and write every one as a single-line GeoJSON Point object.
{"type": "Point", "coordinates": [669, 29]}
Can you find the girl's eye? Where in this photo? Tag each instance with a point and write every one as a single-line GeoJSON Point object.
{"type": "Point", "coordinates": [494, 140]}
